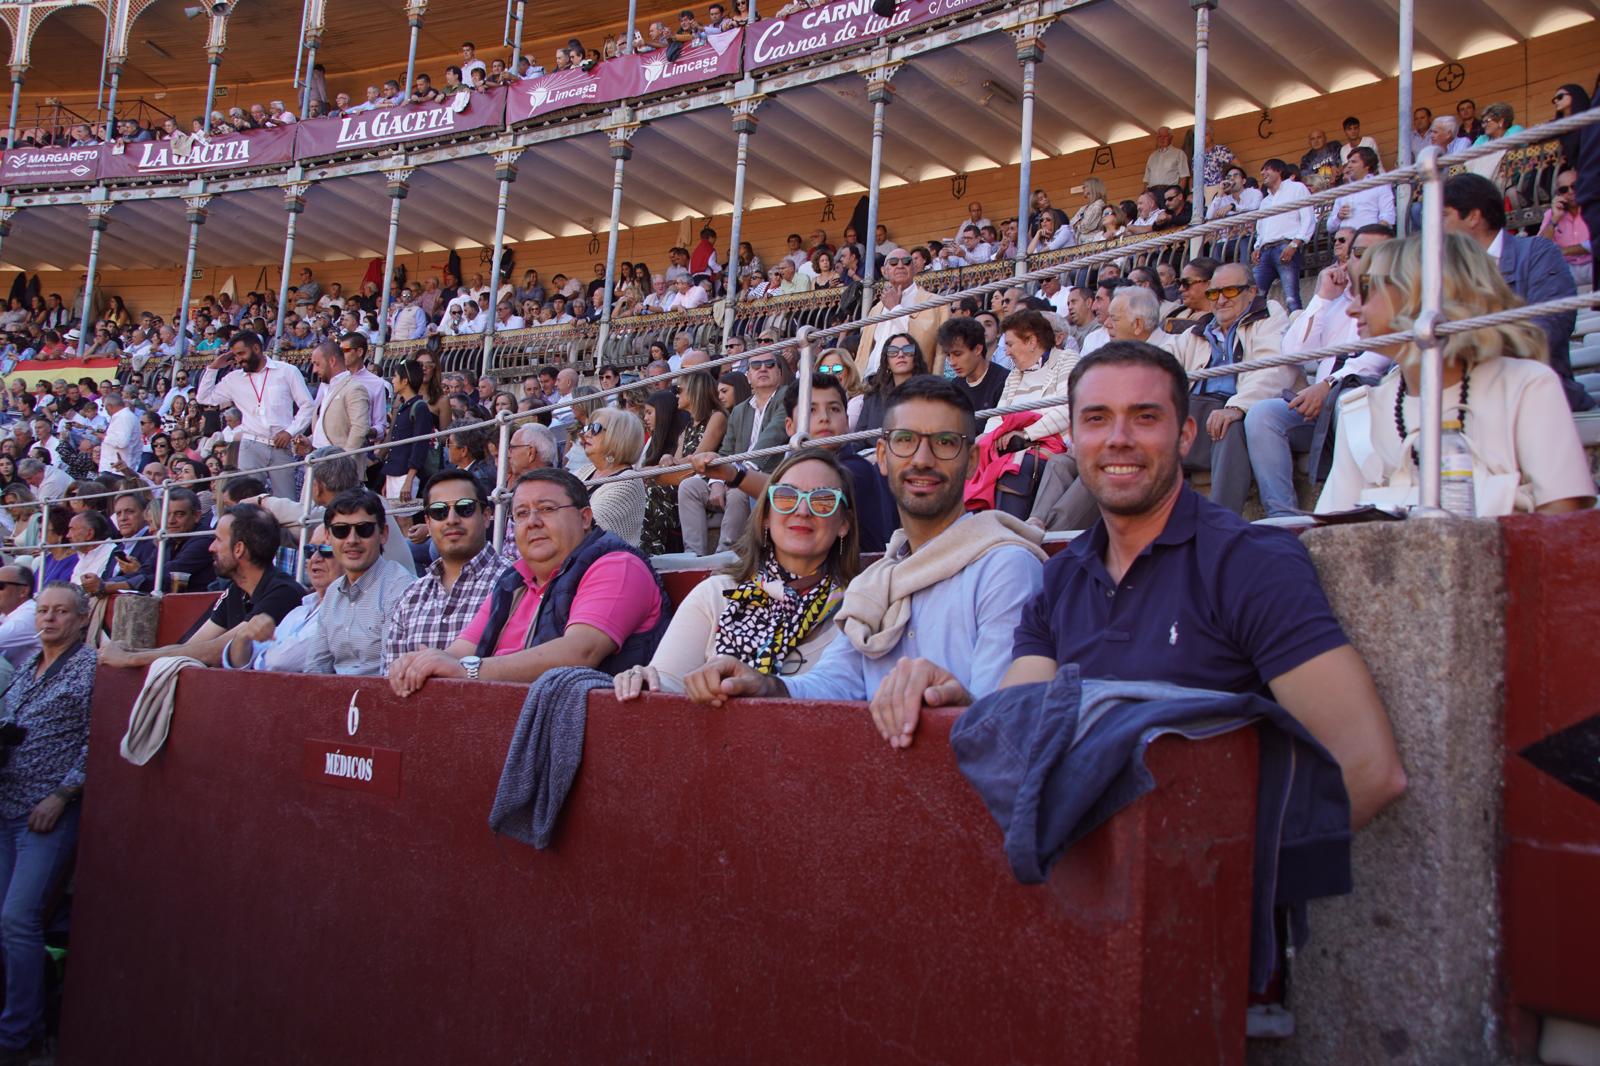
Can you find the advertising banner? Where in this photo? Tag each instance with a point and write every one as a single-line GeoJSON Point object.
{"type": "Point", "coordinates": [51, 166]}
{"type": "Point", "coordinates": [718, 57]}
{"type": "Point", "coordinates": [396, 125]}
{"type": "Point", "coordinates": [838, 25]}
{"type": "Point", "coordinates": [626, 77]}
{"type": "Point", "coordinates": [186, 155]}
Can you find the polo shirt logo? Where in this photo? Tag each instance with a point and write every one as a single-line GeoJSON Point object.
{"type": "Point", "coordinates": [1172, 635]}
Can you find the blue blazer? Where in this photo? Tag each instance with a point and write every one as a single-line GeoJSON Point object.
{"type": "Point", "coordinates": [1535, 270]}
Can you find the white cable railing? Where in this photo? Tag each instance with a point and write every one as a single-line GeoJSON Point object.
{"type": "Point", "coordinates": [1430, 168]}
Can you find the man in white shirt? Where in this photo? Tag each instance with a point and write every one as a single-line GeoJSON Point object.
{"type": "Point", "coordinates": [47, 482]}
{"type": "Point", "coordinates": [506, 318]}
{"type": "Point", "coordinates": [1354, 140]}
{"type": "Point", "coordinates": [695, 294]}
{"type": "Point", "coordinates": [354, 350]}
{"type": "Point", "coordinates": [975, 218]}
{"type": "Point", "coordinates": [1362, 208]}
{"type": "Point", "coordinates": [469, 60]}
{"type": "Point", "coordinates": [1167, 165]}
{"type": "Point", "coordinates": [273, 398]}
{"type": "Point", "coordinates": [19, 637]}
{"type": "Point", "coordinates": [472, 319]}
{"type": "Point", "coordinates": [123, 446]}
{"type": "Point", "coordinates": [409, 322]}
{"type": "Point", "coordinates": [1281, 240]}
{"type": "Point", "coordinates": [658, 297]}
{"type": "Point", "coordinates": [1275, 428]}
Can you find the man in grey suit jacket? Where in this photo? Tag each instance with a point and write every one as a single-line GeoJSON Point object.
{"type": "Point", "coordinates": [343, 410]}
{"type": "Point", "coordinates": [756, 423]}
{"type": "Point", "coordinates": [1532, 267]}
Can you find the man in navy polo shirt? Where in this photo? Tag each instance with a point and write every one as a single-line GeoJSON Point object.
{"type": "Point", "coordinates": [1171, 587]}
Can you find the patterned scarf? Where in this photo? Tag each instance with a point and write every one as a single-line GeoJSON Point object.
{"type": "Point", "coordinates": [764, 620]}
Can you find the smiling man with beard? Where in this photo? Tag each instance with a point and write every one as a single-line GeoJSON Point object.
{"type": "Point", "coordinates": [1170, 587]}
{"type": "Point", "coordinates": [272, 398]}
{"type": "Point", "coordinates": [929, 624]}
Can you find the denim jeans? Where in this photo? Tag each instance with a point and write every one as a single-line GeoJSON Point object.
{"type": "Point", "coordinates": [1270, 267]}
{"type": "Point", "coordinates": [1275, 432]}
{"type": "Point", "coordinates": [31, 865]}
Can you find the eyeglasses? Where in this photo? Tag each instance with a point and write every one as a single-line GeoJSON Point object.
{"type": "Point", "coordinates": [545, 511]}
{"type": "Point", "coordinates": [314, 550]}
{"type": "Point", "coordinates": [1341, 240]}
{"type": "Point", "coordinates": [763, 364]}
{"type": "Point", "coordinates": [1230, 292]}
{"type": "Point", "coordinates": [898, 260]}
{"type": "Point", "coordinates": [899, 349]}
{"type": "Point", "coordinates": [832, 368]}
{"type": "Point", "coordinates": [342, 530]}
{"type": "Point", "coordinates": [440, 511]}
{"type": "Point", "coordinates": [1185, 283]}
{"type": "Point", "coordinates": [945, 445]}
{"type": "Point", "coordinates": [1365, 282]}
{"type": "Point", "coordinates": [822, 503]}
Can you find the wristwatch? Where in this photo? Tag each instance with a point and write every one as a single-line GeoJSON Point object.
{"type": "Point", "coordinates": [471, 663]}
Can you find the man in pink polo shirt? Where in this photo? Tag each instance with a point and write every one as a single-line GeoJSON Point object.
{"type": "Point", "coordinates": [578, 596]}
{"type": "Point", "coordinates": [1563, 223]}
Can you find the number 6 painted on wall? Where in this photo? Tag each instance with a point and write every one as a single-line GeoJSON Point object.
{"type": "Point", "coordinates": [352, 718]}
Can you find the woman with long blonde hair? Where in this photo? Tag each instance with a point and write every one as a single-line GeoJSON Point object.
{"type": "Point", "coordinates": [1087, 220]}
{"type": "Point", "coordinates": [1509, 403]}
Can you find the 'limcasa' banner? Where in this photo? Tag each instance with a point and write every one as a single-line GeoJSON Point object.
{"type": "Point", "coordinates": [51, 166]}
{"type": "Point", "coordinates": [254, 148]}
{"type": "Point", "coordinates": [625, 77]}
{"type": "Point", "coordinates": [394, 125]}
{"type": "Point", "coordinates": [840, 24]}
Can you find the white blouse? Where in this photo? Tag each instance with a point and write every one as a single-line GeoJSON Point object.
{"type": "Point", "coordinates": [691, 637]}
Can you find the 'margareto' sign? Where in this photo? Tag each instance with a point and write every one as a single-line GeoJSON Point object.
{"type": "Point", "coordinates": [392, 125]}
{"type": "Point", "coordinates": [51, 166]}
{"type": "Point", "coordinates": [837, 25]}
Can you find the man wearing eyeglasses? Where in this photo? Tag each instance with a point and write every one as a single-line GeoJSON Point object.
{"type": "Point", "coordinates": [1277, 428]}
{"type": "Point", "coordinates": [929, 625]}
{"type": "Point", "coordinates": [578, 596]}
{"type": "Point", "coordinates": [18, 636]}
{"type": "Point", "coordinates": [434, 610]}
{"type": "Point", "coordinates": [1243, 327]}
{"type": "Point", "coordinates": [900, 290]}
{"type": "Point", "coordinates": [348, 638]}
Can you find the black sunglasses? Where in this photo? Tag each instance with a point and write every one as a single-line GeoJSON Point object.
{"type": "Point", "coordinates": [314, 550]}
{"type": "Point", "coordinates": [762, 364]}
{"type": "Point", "coordinates": [342, 530]}
{"type": "Point", "coordinates": [440, 511]}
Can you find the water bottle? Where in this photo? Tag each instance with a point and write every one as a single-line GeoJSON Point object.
{"type": "Point", "coordinates": [1455, 472]}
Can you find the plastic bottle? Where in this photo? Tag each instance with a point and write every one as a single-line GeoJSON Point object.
{"type": "Point", "coordinates": [1455, 472]}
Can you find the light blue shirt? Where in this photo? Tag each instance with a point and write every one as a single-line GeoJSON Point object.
{"type": "Point", "coordinates": [965, 624]}
{"type": "Point", "coordinates": [290, 647]}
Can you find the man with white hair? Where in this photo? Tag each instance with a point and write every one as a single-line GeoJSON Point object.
{"type": "Point", "coordinates": [1444, 134]}
{"type": "Point", "coordinates": [1134, 314]}
{"type": "Point", "coordinates": [123, 446]}
{"type": "Point", "coordinates": [1166, 165]}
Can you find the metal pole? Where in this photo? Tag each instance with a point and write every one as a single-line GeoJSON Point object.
{"type": "Point", "coordinates": [621, 151]}
{"type": "Point", "coordinates": [294, 202]}
{"type": "Point", "coordinates": [396, 188]}
{"type": "Point", "coordinates": [305, 86]}
{"type": "Point", "coordinates": [633, 15]}
{"type": "Point", "coordinates": [505, 169]}
{"type": "Point", "coordinates": [744, 124]}
{"type": "Point", "coordinates": [516, 40]}
{"type": "Point", "coordinates": [501, 474]}
{"type": "Point", "coordinates": [196, 209]}
{"type": "Point", "coordinates": [1403, 152]}
{"type": "Point", "coordinates": [211, 95]}
{"type": "Point", "coordinates": [159, 589]}
{"type": "Point", "coordinates": [44, 529]}
{"type": "Point", "coordinates": [100, 84]}
{"type": "Point", "coordinates": [878, 95]}
{"type": "Point", "coordinates": [1431, 390]}
{"type": "Point", "coordinates": [1030, 49]}
{"type": "Point", "coordinates": [305, 520]}
{"type": "Point", "coordinates": [802, 407]}
{"type": "Point", "coordinates": [111, 101]}
{"type": "Point", "coordinates": [415, 9]}
{"type": "Point", "coordinates": [1202, 86]}
{"type": "Point", "coordinates": [16, 89]}
{"type": "Point", "coordinates": [97, 226]}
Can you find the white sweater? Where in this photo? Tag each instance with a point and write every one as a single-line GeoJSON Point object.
{"type": "Point", "coordinates": [1047, 379]}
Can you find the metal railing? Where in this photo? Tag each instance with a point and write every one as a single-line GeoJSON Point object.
{"type": "Point", "coordinates": [1427, 335]}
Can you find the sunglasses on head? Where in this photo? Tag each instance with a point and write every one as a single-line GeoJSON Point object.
{"type": "Point", "coordinates": [314, 550]}
{"type": "Point", "coordinates": [1231, 292]}
{"type": "Point", "coordinates": [440, 510]}
{"type": "Point", "coordinates": [822, 503]}
{"type": "Point", "coordinates": [342, 530]}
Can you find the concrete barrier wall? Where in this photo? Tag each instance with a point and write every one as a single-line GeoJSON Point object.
{"type": "Point", "coordinates": [768, 883]}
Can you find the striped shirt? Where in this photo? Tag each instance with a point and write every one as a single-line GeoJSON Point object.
{"type": "Point", "coordinates": [348, 635]}
{"type": "Point", "coordinates": [431, 616]}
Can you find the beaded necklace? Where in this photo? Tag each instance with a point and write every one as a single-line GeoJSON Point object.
{"type": "Point", "coordinates": [1400, 400]}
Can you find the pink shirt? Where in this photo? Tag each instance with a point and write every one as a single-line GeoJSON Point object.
{"type": "Point", "coordinates": [617, 596]}
{"type": "Point", "coordinates": [1570, 229]}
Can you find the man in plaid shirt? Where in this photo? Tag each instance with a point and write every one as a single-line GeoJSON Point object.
{"type": "Point", "coordinates": [435, 610]}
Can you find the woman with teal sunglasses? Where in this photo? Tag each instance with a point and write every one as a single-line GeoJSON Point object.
{"type": "Point", "coordinates": [773, 609]}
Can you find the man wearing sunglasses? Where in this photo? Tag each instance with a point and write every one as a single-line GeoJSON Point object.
{"type": "Point", "coordinates": [18, 636]}
{"type": "Point", "coordinates": [899, 290]}
{"type": "Point", "coordinates": [1276, 429]}
{"type": "Point", "coordinates": [348, 638]}
{"type": "Point", "coordinates": [284, 647]}
{"type": "Point", "coordinates": [434, 611]}
{"type": "Point", "coordinates": [929, 625]}
{"type": "Point", "coordinates": [1243, 327]}
{"type": "Point", "coordinates": [755, 424]}
{"type": "Point", "coordinates": [1563, 223]}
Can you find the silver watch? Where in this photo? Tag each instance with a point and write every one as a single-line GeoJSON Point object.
{"type": "Point", "coordinates": [471, 663]}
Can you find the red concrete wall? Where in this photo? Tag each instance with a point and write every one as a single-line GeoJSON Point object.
{"type": "Point", "coordinates": [1551, 868]}
{"type": "Point", "coordinates": [767, 883]}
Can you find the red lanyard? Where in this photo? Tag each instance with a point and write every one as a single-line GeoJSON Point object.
{"type": "Point", "coordinates": [261, 393]}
